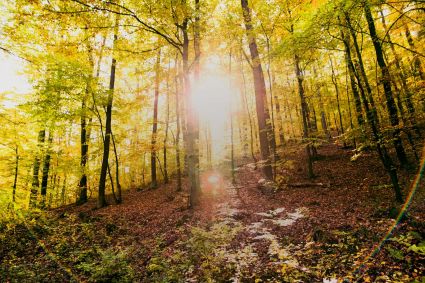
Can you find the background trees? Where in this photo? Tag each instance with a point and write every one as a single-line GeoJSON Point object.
{"type": "Point", "coordinates": [118, 78]}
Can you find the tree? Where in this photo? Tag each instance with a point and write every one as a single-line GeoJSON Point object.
{"type": "Point", "coordinates": [386, 82]}
{"type": "Point", "coordinates": [101, 202]}
{"type": "Point", "coordinates": [260, 92]}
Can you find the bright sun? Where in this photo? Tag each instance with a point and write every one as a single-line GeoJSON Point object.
{"type": "Point", "coordinates": [214, 98]}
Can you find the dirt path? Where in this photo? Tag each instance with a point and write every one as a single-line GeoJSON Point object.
{"type": "Point", "coordinates": [256, 243]}
{"type": "Point", "coordinates": [237, 232]}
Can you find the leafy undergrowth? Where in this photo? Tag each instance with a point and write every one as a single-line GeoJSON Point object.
{"type": "Point", "coordinates": [324, 233]}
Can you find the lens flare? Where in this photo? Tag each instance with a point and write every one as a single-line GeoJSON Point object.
{"type": "Point", "coordinates": [360, 270]}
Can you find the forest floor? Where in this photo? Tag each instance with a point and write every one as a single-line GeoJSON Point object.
{"type": "Point", "coordinates": [320, 230]}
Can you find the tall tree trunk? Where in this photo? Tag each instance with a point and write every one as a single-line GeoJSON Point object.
{"type": "Point", "coordinates": [191, 137]}
{"type": "Point", "coordinates": [335, 83]}
{"type": "Point", "coordinates": [197, 49]}
{"type": "Point", "coordinates": [361, 74]}
{"type": "Point", "coordinates": [386, 82]}
{"type": "Point", "coordinates": [374, 125]}
{"type": "Point", "coordinates": [154, 182]}
{"type": "Point", "coordinates": [101, 201]}
{"type": "Point", "coordinates": [403, 79]}
{"type": "Point", "coordinates": [272, 120]}
{"type": "Point", "coordinates": [260, 92]}
{"type": "Point", "coordinates": [178, 128]}
{"type": "Point", "coordinates": [82, 185]}
{"type": "Point", "coordinates": [417, 64]}
{"type": "Point", "coordinates": [304, 110]}
{"type": "Point", "coordinates": [167, 125]}
{"type": "Point", "coordinates": [272, 131]}
{"type": "Point", "coordinates": [351, 73]}
{"type": "Point", "coordinates": [36, 168]}
{"type": "Point", "coordinates": [45, 171]}
{"type": "Point", "coordinates": [232, 147]}
{"type": "Point", "coordinates": [117, 171]}
{"type": "Point", "coordinates": [288, 111]}
{"type": "Point", "coordinates": [248, 112]}
{"type": "Point", "coordinates": [321, 107]}
{"type": "Point", "coordinates": [63, 190]}
{"type": "Point", "coordinates": [15, 178]}
{"type": "Point", "coordinates": [349, 105]}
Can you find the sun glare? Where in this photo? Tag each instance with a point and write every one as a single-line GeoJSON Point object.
{"type": "Point", "coordinates": [214, 99]}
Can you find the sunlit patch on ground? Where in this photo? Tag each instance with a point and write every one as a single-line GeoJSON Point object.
{"type": "Point", "coordinates": [213, 179]}
{"type": "Point", "coordinates": [212, 182]}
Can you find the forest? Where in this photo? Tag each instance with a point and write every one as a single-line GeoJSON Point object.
{"type": "Point", "coordinates": [212, 141]}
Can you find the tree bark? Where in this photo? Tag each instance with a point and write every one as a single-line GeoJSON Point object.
{"type": "Point", "coordinates": [36, 168]}
{"type": "Point", "coordinates": [101, 201]}
{"type": "Point", "coordinates": [232, 146]}
{"type": "Point", "coordinates": [386, 82]}
{"type": "Point", "coordinates": [82, 185]}
{"type": "Point", "coordinates": [15, 178]}
{"type": "Point", "coordinates": [45, 171]}
{"type": "Point", "coordinates": [260, 93]}
{"type": "Point", "coordinates": [117, 171]}
{"type": "Point", "coordinates": [191, 139]}
{"type": "Point", "coordinates": [304, 115]}
{"type": "Point", "coordinates": [335, 83]}
{"type": "Point", "coordinates": [178, 128]}
{"type": "Point", "coordinates": [167, 125]}
{"type": "Point", "coordinates": [374, 125]}
{"type": "Point", "coordinates": [248, 112]}
{"type": "Point", "coordinates": [417, 64]}
{"type": "Point", "coordinates": [403, 79]}
{"type": "Point", "coordinates": [154, 182]}
{"type": "Point", "coordinates": [351, 73]}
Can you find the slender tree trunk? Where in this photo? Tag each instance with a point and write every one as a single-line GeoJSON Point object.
{"type": "Point", "coordinates": [248, 112]}
{"type": "Point", "coordinates": [403, 79]}
{"type": "Point", "coordinates": [82, 185]}
{"type": "Point", "coordinates": [264, 126]}
{"type": "Point", "coordinates": [197, 49]}
{"type": "Point", "coordinates": [351, 73]}
{"type": "Point", "coordinates": [117, 171]}
{"type": "Point", "coordinates": [191, 124]}
{"type": "Point", "coordinates": [101, 201]}
{"type": "Point", "coordinates": [63, 191]}
{"type": "Point", "coordinates": [154, 182]}
{"type": "Point", "coordinates": [36, 168]}
{"type": "Point", "coordinates": [232, 147]}
{"type": "Point", "coordinates": [321, 107]}
{"type": "Point", "coordinates": [335, 83]}
{"type": "Point", "coordinates": [272, 133]}
{"type": "Point", "coordinates": [304, 115]}
{"type": "Point", "coordinates": [386, 82]}
{"type": "Point", "coordinates": [361, 74]}
{"type": "Point", "coordinates": [143, 170]}
{"type": "Point", "coordinates": [177, 141]}
{"type": "Point", "coordinates": [45, 171]}
{"type": "Point", "coordinates": [417, 64]}
{"type": "Point", "coordinates": [111, 180]}
{"type": "Point", "coordinates": [167, 125]}
{"type": "Point", "coordinates": [279, 120]}
{"type": "Point", "coordinates": [349, 105]}
{"type": "Point", "coordinates": [15, 179]}
{"type": "Point", "coordinates": [289, 112]}
{"type": "Point", "coordinates": [374, 125]}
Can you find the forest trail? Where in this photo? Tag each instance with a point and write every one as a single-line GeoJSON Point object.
{"type": "Point", "coordinates": [255, 234]}
{"type": "Point", "coordinates": [238, 232]}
